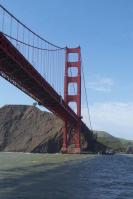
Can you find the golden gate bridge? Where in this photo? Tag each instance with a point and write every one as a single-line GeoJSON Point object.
{"type": "Point", "coordinates": [51, 75]}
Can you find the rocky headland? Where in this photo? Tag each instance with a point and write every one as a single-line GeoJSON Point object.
{"type": "Point", "coordinates": [28, 129]}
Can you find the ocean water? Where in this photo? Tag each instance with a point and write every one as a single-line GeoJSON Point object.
{"type": "Point", "coordinates": [36, 176]}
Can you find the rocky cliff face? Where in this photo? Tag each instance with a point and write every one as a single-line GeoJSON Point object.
{"type": "Point", "coordinates": [28, 129]}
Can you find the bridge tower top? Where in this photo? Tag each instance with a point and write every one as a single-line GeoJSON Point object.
{"type": "Point", "coordinates": [68, 97]}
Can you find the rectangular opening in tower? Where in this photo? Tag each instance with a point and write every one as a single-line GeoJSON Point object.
{"type": "Point", "coordinates": [73, 57]}
{"type": "Point", "coordinates": [72, 72]}
{"type": "Point", "coordinates": [73, 106]}
{"type": "Point", "coordinates": [72, 88]}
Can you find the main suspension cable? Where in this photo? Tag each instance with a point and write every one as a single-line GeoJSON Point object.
{"type": "Point", "coordinates": [22, 24]}
{"type": "Point", "coordinates": [32, 46]}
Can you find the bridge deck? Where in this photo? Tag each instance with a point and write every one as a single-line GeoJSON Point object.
{"type": "Point", "coordinates": [15, 68]}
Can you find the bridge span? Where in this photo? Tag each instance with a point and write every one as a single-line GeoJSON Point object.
{"type": "Point", "coordinates": [20, 59]}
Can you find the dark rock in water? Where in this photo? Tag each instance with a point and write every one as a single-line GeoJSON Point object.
{"type": "Point", "coordinates": [28, 129]}
{"type": "Point", "coordinates": [108, 152]}
{"type": "Point", "coordinates": [129, 150]}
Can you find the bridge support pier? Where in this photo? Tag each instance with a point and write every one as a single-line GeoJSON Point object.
{"type": "Point", "coordinates": [76, 98]}
{"type": "Point", "coordinates": [65, 143]}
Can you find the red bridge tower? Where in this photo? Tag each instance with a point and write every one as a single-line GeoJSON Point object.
{"type": "Point", "coordinates": [72, 98]}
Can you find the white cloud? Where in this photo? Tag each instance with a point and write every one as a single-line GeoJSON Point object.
{"type": "Point", "coordinates": [102, 84]}
{"type": "Point", "coordinates": [114, 117]}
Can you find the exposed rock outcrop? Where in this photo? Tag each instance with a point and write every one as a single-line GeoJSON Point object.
{"type": "Point", "coordinates": [28, 129]}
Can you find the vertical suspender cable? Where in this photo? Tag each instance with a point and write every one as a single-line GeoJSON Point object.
{"type": "Point", "coordinates": [3, 21]}
{"type": "Point", "coordinates": [86, 96]}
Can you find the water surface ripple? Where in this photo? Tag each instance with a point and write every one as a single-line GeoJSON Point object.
{"type": "Point", "coordinates": [59, 177]}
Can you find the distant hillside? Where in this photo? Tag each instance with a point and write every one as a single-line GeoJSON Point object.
{"type": "Point", "coordinates": [110, 141]}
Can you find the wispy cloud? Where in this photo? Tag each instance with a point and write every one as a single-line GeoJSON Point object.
{"type": "Point", "coordinates": [101, 84]}
{"type": "Point", "coordinates": [113, 117]}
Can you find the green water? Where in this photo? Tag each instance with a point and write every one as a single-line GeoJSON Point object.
{"type": "Point", "coordinates": [43, 176]}
{"type": "Point", "coordinates": [29, 176]}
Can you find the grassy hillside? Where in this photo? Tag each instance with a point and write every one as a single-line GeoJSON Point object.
{"type": "Point", "coordinates": [110, 141]}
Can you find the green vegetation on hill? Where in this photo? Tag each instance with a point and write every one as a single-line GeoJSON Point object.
{"type": "Point", "coordinates": [118, 144]}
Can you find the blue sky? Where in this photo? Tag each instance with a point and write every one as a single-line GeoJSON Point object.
{"type": "Point", "coordinates": [104, 30]}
